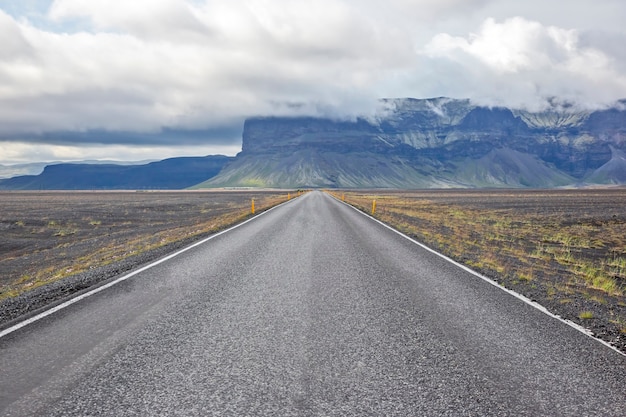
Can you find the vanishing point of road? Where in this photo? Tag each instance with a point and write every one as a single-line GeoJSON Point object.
{"type": "Point", "coordinates": [310, 309]}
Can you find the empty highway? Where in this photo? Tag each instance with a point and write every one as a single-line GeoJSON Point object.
{"type": "Point", "coordinates": [310, 309]}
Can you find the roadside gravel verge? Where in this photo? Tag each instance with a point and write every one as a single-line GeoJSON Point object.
{"type": "Point", "coordinates": [56, 245]}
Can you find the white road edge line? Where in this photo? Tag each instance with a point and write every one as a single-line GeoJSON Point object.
{"type": "Point", "coordinates": [76, 299]}
{"type": "Point", "coordinates": [519, 296]}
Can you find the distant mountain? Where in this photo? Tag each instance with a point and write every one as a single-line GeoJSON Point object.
{"type": "Point", "coordinates": [613, 172]}
{"type": "Point", "coordinates": [437, 142]}
{"type": "Point", "coordinates": [36, 168]}
{"type": "Point", "coordinates": [173, 173]}
{"type": "Point", "coordinates": [13, 170]}
{"type": "Point", "coordinates": [427, 143]}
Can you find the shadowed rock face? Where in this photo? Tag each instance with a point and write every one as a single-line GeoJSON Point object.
{"type": "Point", "coordinates": [433, 143]}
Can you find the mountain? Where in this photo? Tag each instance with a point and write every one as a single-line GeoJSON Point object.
{"type": "Point", "coordinates": [427, 143]}
{"type": "Point", "coordinates": [36, 168]}
{"type": "Point", "coordinates": [613, 172]}
{"type": "Point", "coordinates": [438, 142]}
{"type": "Point", "coordinates": [173, 173]}
{"type": "Point", "coordinates": [13, 170]}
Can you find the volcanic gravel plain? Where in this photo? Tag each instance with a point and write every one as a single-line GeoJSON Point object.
{"type": "Point", "coordinates": [57, 243]}
{"type": "Point", "coordinates": [564, 249]}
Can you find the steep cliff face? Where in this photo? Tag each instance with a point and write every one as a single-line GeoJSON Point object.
{"type": "Point", "coordinates": [432, 143]}
{"type": "Point", "coordinates": [272, 134]}
{"type": "Point", "coordinates": [306, 152]}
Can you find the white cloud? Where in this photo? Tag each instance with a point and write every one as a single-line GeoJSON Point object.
{"type": "Point", "coordinates": [522, 63]}
{"type": "Point", "coordinates": [418, 12]}
{"type": "Point", "coordinates": [252, 56]}
{"type": "Point", "coordinates": [20, 152]}
{"type": "Point", "coordinates": [14, 45]}
{"type": "Point", "coordinates": [512, 46]}
{"type": "Point", "coordinates": [146, 65]}
{"type": "Point", "coordinates": [171, 20]}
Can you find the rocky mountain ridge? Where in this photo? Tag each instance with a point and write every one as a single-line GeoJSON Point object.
{"type": "Point", "coordinates": [438, 142]}
{"type": "Point", "coordinates": [413, 143]}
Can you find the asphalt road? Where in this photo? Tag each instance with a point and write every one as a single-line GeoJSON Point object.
{"type": "Point", "coordinates": [311, 309]}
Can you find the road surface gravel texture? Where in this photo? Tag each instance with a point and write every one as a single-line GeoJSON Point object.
{"type": "Point", "coordinates": [311, 309]}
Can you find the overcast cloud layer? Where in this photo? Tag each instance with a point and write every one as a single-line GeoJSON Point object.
{"type": "Point", "coordinates": [130, 70]}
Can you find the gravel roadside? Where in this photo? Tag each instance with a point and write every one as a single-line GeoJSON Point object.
{"type": "Point", "coordinates": [30, 303]}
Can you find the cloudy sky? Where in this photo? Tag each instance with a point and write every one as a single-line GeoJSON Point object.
{"type": "Point", "coordinates": [144, 79]}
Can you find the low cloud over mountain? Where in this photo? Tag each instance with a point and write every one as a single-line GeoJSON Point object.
{"type": "Point", "coordinates": [434, 143]}
{"type": "Point", "coordinates": [438, 142]}
{"type": "Point", "coordinates": [112, 78]}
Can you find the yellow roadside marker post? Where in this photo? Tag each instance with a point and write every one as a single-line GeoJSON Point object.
{"type": "Point", "coordinates": [288, 196]}
{"type": "Point", "coordinates": [374, 207]}
{"type": "Point", "coordinates": [252, 206]}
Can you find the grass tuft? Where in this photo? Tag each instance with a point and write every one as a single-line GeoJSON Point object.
{"type": "Point", "coordinates": [585, 315]}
